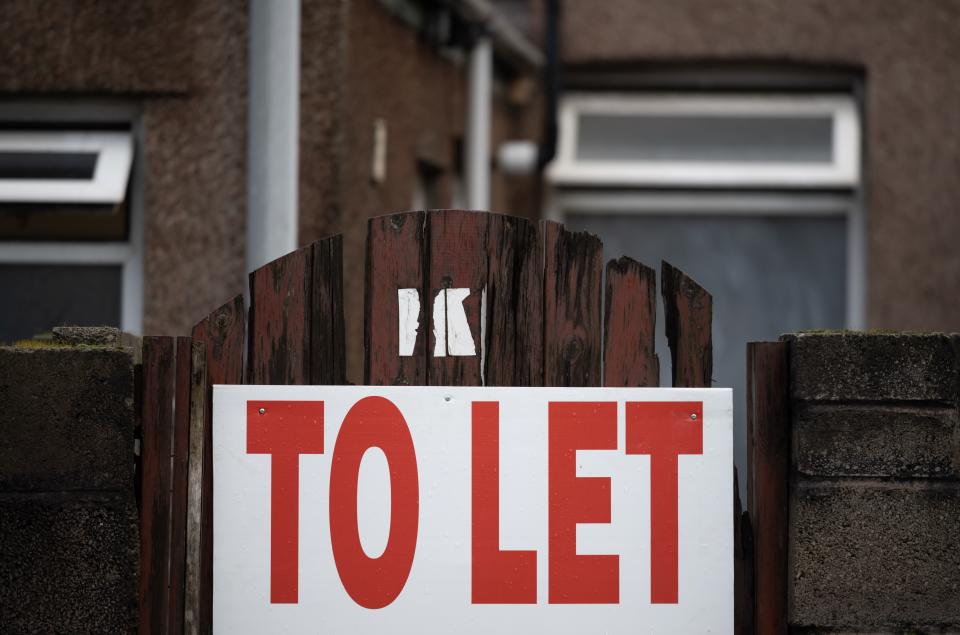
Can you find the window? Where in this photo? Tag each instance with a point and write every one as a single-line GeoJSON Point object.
{"type": "Point", "coordinates": [64, 166]}
{"type": "Point", "coordinates": [708, 141]}
{"type": "Point", "coordinates": [70, 217]}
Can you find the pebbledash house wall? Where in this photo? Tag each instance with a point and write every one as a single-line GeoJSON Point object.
{"type": "Point", "coordinates": [874, 510]}
{"type": "Point", "coordinates": [907, 51]}
{"type": "Point", "coordinates": [185, 65]}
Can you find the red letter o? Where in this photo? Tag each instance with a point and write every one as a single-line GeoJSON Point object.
{"type": "Point", "coordinates": [374, 582]}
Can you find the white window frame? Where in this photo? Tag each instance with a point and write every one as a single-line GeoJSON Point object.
{"type": "Point", "coordinates": [108, 185]}
{"type": "Point", "coordinates": [127, 254]}
{"type": "Point", "coordinates": [842, 171]}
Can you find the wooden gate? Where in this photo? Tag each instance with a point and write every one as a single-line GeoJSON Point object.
{"type": "Point", "coordinates": [543, 311]}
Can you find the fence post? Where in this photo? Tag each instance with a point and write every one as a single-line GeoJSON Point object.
{"type": "Point", "coordinates": [157, 425]}
{"type": "Point", "coordinates": [768, 439]}
{"type": "Point", "coordinates": [572, 346]}
{"type": "Point", "coordinates": [178, 497]}
{"type": "Point", "coordinates": [222, 334]}
{"type": "Point", "coordinates": [630, 313]}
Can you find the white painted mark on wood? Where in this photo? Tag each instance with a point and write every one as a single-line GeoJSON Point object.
{"type": "Point", "coordinates": [440, 324]}
{"type": "Point", "coordinates": [451, 330]}
{"type": "Point", "coordinates": [408, 301]}
{"type": "Point", "coordinates": [459, 338]}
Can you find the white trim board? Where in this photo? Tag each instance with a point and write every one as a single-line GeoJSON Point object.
{"type": "Point", "coordinates": [842, 171]}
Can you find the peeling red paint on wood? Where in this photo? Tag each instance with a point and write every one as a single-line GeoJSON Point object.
{"type": "Point", "coordinates": [573, 268]}
{"type": "Point", "coordinates": [514, 348]}
{"type": "Point", "coordinates": [457, 260]}
{"type": "Point", "coordinates": [279, 338]}
{"type": "Point", "coordinates": [396, 250]}
{"type": "Point", "coordinates": [688, 315]}
{"type": "Point", "coordinates": [630, 313]}
{"type": "Point", "coordinates": [327, 339]}
{"type": "Point", "coordinates": [222, 333]}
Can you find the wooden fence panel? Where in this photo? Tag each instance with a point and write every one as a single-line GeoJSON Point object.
{"type": "Point", "coordinates": [534, 307]}
{"type": "Point", "coordinates": [529, 240]}
{"type": "Point", "coordinates": [396, 250]}
{"type": "Point", "coordinates": [222, 334]}
{"type": "Point", "coordinates": [573, 268]}
{"type": "Point", "coordinates": [194, 521]}
{"type": "Point", "coordinates": [630, 313]}
{"type": "Point", "coordinates": [178, 498]}
{"type": "Point", "coordinates": [768, 437]}
{"type": "Point", "coordinates": [157, 438]}
{"type": "Point", "coordinates": [328, 355]}
{"type": "Point", "coordinates": [279, 338]}
{"type": "Point", "coordinates": [457, 261]}
{"type": "Point", "coordinates": [688, 315]}
{"type": "Point", "coordinates": [514, 319]}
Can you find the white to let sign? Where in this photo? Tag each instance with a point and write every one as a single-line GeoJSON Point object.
{"type": "Point", "coordinates": [356, 509]}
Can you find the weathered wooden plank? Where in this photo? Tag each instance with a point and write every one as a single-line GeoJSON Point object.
{"type": "Point", "coordinates": [396, 261]}
{"type": "Point", "coordinates": [328, 365]}
{"type": "Point", "coordinates": [573, 267]}
{"type": "Point", "coordinates": [178, 495]}
{"type": "Point", "coordinates": [743, 590]}
{"type": "Point", "coordinates": [514, 320]}
{"type": "Point", "coordinates": [458, 278]}
{"type": "Point", "coordinates": [529, 371]}
{"type": "Point", "coordinates": [768, 424]}
{"type": "Point", "coordinates": [630, 313]}
{"type": "Point", "coordinates": [279, 338]}
{"type": "Point", "coordinates": [222, 334]}
{"type": "Point", "coordinates": [688, 315]}
{"type": "Point", "coordinates": [157, 432]}
{"type": "Point", "coordinates": [198, 406]}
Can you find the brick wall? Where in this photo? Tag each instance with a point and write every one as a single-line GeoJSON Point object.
{"type": "Point", "coordinates": [69, 541]}
{"type": "Point", "coordinates": [874, 540]}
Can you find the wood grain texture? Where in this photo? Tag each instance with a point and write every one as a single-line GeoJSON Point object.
{"type": "Point", "coordinates": [222, 334]}
{"type": "Point", "coordinates": [630, 313]}
{"type": "Point", "coordinates": [280, 304]}
{"type": "Point", "coordinates": [529, 371]}
{"type": "Point", "coordinates": [514, 331]}
{"type": "Point", "coordinates": [743, 588]}
{"type": "Point", "coordinates": [573, 267]}
{"type": "Point", "coordinates": [328, 356]}
{"type": "Point", "coordinates": [457, 259]}
{"type": "Point", "coordinates": [198, 406]}
{"type": "Point", "coordinates": [157, 432]}
{"type": "Point", "coordinates": [768, 436]}
{"type": "Point", "coordinates": [396, 259]}
{"type": "Point", "coordinates": [688, 315]}
{"type": "Point", "coordinates": [178, 495]}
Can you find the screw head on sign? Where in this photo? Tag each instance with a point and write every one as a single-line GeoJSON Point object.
{"type": "Point", "coordinates": [694, 416]}
{"type": "Point", "coordinates": [263, 411]}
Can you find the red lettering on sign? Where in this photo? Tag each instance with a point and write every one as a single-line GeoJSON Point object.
{"type": "Point", "coordinates": [284, 430]}
{"type": "Point", "coordinates": [374, 582]}
{"type": "Point", "coordinates": [664, 430]}
{"type": "Point", "coordinates": [499, 577]}
{"type": "Point", "coordinates": [576, 579]}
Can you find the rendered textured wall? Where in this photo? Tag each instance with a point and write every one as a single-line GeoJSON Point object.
{"type": "Point", "coordinates": [69, 538]}
{"type": "Point", "coordinates": [907, 51]}
{"type": "Point", "coordinates": [875, 491]}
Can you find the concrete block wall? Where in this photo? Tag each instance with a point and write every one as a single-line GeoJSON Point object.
{"type": "Point", "coordinates": [874, 542]}
{"type": "Point", "coordinates": [69, 541]}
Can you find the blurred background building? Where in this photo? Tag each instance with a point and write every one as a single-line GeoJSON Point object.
{"type": "Point", "coordinates": [799, 159]}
